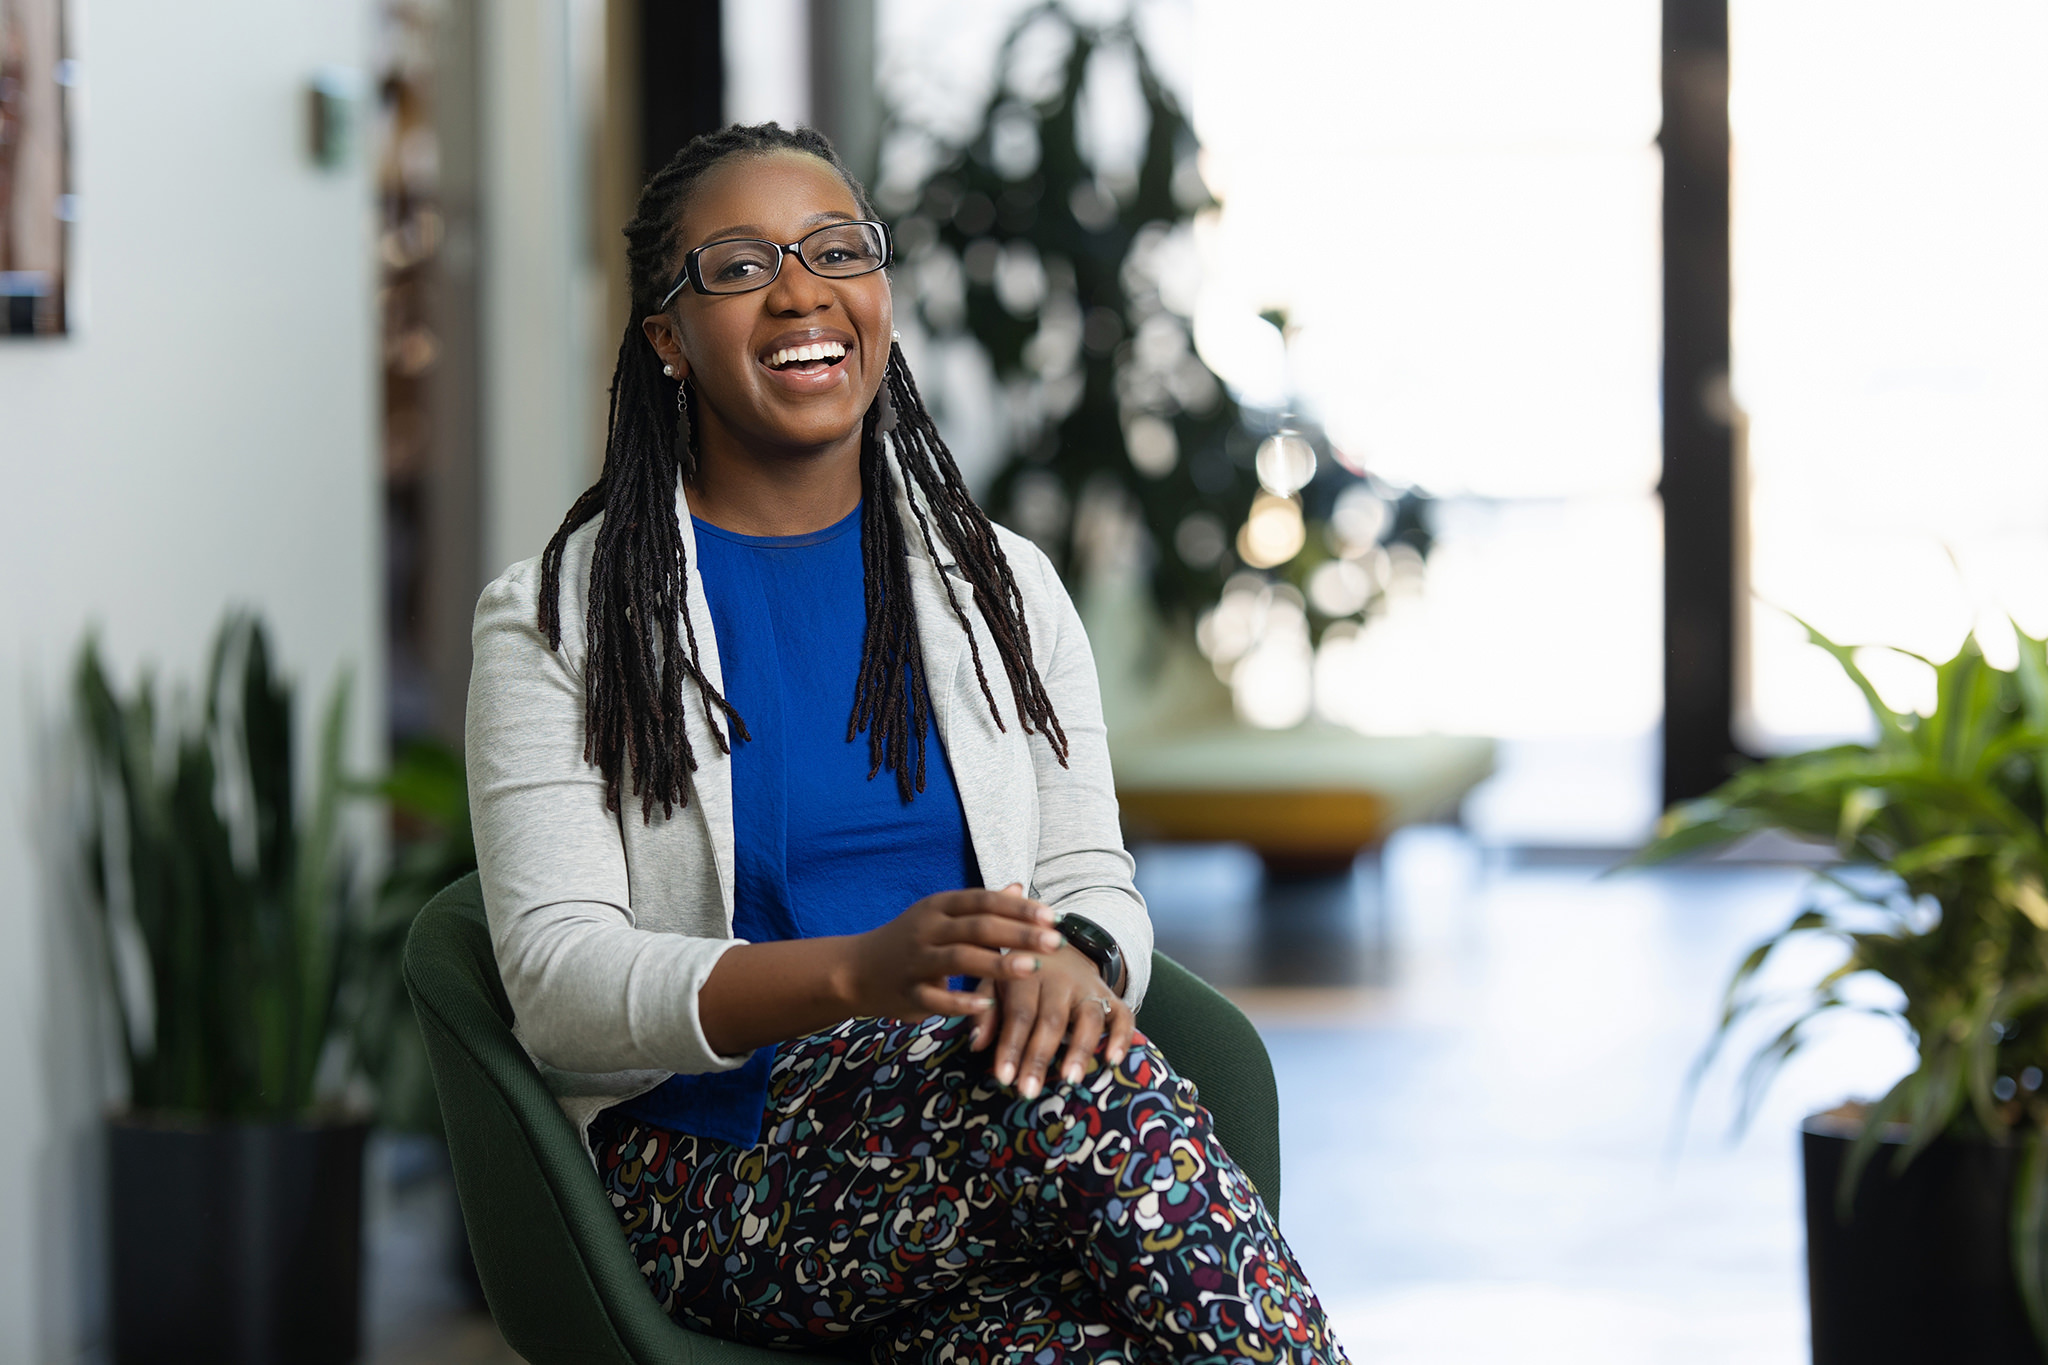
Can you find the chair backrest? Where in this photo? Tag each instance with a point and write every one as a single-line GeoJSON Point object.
{"type": "Point", "coordinates": [555, 1269]}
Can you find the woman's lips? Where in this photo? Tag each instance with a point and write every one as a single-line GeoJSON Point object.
{"type": "Point", "coordinates": [810, 376]}
{"type": "Point", "coordinates": [797, 355]}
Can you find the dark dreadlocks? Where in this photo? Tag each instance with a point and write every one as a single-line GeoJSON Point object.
{"type": "Point", "coordinates": [637, 666]}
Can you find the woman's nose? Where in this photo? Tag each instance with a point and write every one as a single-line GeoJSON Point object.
{"type": "Point", "coordinates": [796, 290]}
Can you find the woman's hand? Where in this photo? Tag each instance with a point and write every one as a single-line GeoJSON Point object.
{"type": "Point", "coordinates": [1066, 998]}
{"type": "Point", "coordinates": [900, 970]}
{"type": "Point", "coordinates": [760, 993]}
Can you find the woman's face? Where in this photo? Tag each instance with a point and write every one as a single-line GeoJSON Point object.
{"type": "Point", "coordinates": [725, 342]}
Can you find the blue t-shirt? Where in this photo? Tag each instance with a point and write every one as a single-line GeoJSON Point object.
{"type": "Point", "coordinates": [820, 847]}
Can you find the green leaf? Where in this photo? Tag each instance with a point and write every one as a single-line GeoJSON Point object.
{"type": "Point", "coordinates": [1892, 726]}
{"type": "Point", "coordinates": [1859, 805]}
{"type": "Point", "coordinates": [2032, 679]}
{"type": "Point", "coordinates": [2029, 1232]}
{"type": "Point", "coordinates": [428, 782]}
{"type": "Point", "coordinates": [314, 922]}
{"type": "Point", "coordinates": [1942, 853]}
{"type": "Point", "coordinates": [1691, 829]}
{"type": "Point", "coordinates": [1966, 714]}
{"type": "Point", "coordinates": [2025, 894]}
{"type": "Point", "coordinates": [1765, 1063]}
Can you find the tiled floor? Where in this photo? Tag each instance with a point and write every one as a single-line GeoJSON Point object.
{"type": "Point", "coordinates": [417, 1309]}
{"type": "Point", "coordinates": [1480, 1064]}
{"type": "Point", "coordinates": [1481, 1131]}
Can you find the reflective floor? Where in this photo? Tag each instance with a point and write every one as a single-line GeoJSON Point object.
{"type": "Point", "coordinates": [1481, 1061]}
{"type": "Point", "coordinates": [1481, 1065]}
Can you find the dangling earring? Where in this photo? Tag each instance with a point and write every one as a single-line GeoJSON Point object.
{"type": "Point", "coordinates": [685, 457]}
{"type": "Point", "coordinates": [885, 421]}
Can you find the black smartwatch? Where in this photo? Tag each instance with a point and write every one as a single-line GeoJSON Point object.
{"type": "Point", "coordinates": [1097, 946]}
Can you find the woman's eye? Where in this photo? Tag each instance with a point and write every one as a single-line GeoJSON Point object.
{"type": "Point", "coordinates": [738, 270]}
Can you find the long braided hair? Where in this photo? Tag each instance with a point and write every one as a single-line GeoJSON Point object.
{"type": "Point", "coordinates": [638, 663]}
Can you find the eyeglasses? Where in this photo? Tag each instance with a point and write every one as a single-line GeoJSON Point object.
{"type": "Point", "coordinates": [837, 251]}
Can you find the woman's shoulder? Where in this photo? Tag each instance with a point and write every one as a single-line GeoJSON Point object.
{"type": "Point", "coordinates": [513, 598]}
{"type": "Point", "coordinates": [1049, 612]}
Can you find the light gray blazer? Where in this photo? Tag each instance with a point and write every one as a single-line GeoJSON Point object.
{"type": "Point", "coordinates": [606, 926]}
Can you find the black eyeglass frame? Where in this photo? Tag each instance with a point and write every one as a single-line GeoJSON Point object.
{"type": "Point", "coordinates": [693, 275]}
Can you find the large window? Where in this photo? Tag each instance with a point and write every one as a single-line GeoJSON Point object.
{"type": "Point", "coordinates": [1454, 209]}
{"type": "Point", "coordinates": [1456, 206]}
{"type": "Point", "coordinates": [1890, 205]}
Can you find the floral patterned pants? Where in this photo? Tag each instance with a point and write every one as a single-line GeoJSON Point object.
{"type": "Point", "coordinates": [902, 1202]}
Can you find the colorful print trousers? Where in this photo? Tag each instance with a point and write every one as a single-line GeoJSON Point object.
{"type": "Point", "coordinates": [903, 1203]}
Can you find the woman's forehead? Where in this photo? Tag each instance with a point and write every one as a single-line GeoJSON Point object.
{"type": "Point", "coordinates": [778, 194]}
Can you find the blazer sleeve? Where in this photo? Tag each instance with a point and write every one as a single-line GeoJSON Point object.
{"type": "Point", "coordinates": [1083, 867]}
{"type": "Point", "coordinates": [592, 992]}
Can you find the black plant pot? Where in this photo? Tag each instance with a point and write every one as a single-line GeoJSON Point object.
{"type": "Point", "coordinates": [1922, 1269]}
{"type": "Point", "coordinates": [235, 1244]}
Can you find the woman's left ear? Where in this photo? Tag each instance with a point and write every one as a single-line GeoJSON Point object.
{"type": "Point", "coordinates": [662, 336]}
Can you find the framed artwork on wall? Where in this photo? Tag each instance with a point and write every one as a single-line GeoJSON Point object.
{"type": "Point", "coordinates": [35, 201]}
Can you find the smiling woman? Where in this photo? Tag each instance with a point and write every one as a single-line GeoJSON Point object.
{"type": "Point", "coordinates": [738, 957]}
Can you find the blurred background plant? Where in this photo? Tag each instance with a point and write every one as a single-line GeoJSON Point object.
{"type": "Point", "coordinates": [428, 795]}
{"type": "Point", "coordinates": [1947, 811]}
{"type": "Point", "coordinates": [1074, 268]}
{"type": "Point", "coordinates": [254, 968]}
{"type": "Point", "coordinates": [232, 921]}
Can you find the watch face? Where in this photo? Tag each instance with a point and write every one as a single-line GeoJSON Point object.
{"type": "Point", "coordinates": [1095, 944]}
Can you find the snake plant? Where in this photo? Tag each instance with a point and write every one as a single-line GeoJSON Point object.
{"type": "Point", "coordinates": [1944, 815]}
{"type": "Point", "coordinates": [224, 903]}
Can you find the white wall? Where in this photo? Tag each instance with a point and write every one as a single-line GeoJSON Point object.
{"type": "Point", "coordinates": [205, 436]}
{"type": "Point", "coordinates": [767, 61]}
{"type": "Point", "coordinates": [542, 290]}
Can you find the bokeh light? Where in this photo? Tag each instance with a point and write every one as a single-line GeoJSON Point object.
{"type": "Point", "coordinates": [1273, 533]}
{"type": "Point", "coordinates": [1285, 463]}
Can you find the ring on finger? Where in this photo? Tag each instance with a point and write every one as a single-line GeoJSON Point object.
{"type": "Point", "coordinates": [1108, 1008]}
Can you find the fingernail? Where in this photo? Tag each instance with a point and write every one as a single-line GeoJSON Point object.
{"type": "Point", "coordinates": [1004, 1071]}
{"type": "Point", "coordinates": [1116, 1056]}
{"type": "Point", "coordinates": [1027, 964]}
{"type": "Point", "coordinates": [983, 1002]}
{"type": "Point", "coordinates": [1073, 1075]}
{"type": "Point", "coordinates": [1052, 943]}
{"type": "Point", "coordinates": [1029, 1090]}
{"type": "Point", "coordinates": [1043, 914]}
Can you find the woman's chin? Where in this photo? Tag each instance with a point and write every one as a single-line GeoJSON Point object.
{"type": "Point", "coordinates": [815, 428]}
{"type": "Point", "coordinates": [813, 419]}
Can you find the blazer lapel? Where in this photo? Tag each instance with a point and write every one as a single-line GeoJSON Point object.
{"type": "Point", "coordinates": [983, 758]}
{"type": "Point", "coordinates": [711, 784]}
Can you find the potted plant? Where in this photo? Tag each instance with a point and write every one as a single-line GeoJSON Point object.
{"type": "Point", "coordinates": [1927, 1209]}
{"type": "Point", "coordinates": [229, 916]}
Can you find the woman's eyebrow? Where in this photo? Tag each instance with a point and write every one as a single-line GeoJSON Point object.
{"type": "Point", "coordinates": [756, 230]}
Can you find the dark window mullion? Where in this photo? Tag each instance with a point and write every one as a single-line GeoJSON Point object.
{"type": "Point", "coordinates": [1699, 475]}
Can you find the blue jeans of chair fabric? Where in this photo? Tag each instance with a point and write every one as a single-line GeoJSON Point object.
{"type": "Point", "coordinates": [903, 1202]}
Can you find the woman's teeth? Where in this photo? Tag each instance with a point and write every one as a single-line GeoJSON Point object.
{"type": "Point", "coordinates": [797, 355]}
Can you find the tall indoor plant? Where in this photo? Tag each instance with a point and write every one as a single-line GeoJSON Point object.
{"type": "Point", "coordinates": [227, 910]}
{"type": "Point", "coordinates": [1068, 273]}
{"type": "Point", "coordinates": [1939, 826]}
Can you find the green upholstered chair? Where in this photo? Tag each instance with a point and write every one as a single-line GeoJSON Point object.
{"type": "Point", "coordinates": [555, 1268]}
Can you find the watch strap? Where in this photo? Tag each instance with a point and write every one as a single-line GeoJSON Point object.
{"type": "Point", "coordinates": [1094, 943]}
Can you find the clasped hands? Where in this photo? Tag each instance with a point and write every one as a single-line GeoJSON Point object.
{"type": "Point", "coordinates": [1032, 989]}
